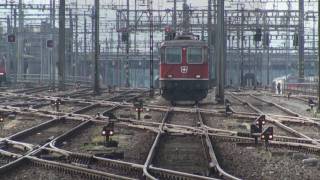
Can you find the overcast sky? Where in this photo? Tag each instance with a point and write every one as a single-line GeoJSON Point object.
{"type": "Point", "coordinates": [202, 4]}
{"type": "Point", "coordinates": [165, 4]}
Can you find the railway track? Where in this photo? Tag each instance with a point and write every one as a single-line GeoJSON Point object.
{"type": "Point", "coordinates": [126, 96]}
{"type": "Point", "coordinates": [45, 132]}
{"type": "Point", "coordinates": [278, 123]}
{"type": "Point", "coordinates": [186, 124]}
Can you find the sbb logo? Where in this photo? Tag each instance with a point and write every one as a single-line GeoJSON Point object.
{"type": "Point", "coordinates": [184, 69]}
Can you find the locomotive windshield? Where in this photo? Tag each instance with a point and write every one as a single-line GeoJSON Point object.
{"type": "Point", "coordinates": [195, 56]}
{"type": "Point", "coordinates": [173, 55]}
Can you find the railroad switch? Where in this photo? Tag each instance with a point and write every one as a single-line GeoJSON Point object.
{"type": "Point", "coordinates": [51, 138]}
{"type": "Point", "coordinates": [110, 115]}
{"type": "Point", "coordinates": [112, 155]}
{"type": "Point", "coordinates": [3, 145]}
{"type": "Point", "coordinates": [98, 115]}
{"type": "Point", "coordinates": [139, 108]}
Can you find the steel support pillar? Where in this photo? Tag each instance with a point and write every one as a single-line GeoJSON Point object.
{"type": "Point", "coordinates": [210, 43]}
{"type": "Point", "coordinates": [96, 88]}
{"type": "Point", "coordinates": [20, 63]}
{"type": "Point", "coordinates": [242, 48]}
{"type": "Point", "coordinates": [76, 57]}
{"type": "Point", "coordinates": [127, 45]}
{"type": "Point", "coordinates": [151, 49]}
{"type": "Point", "coordinates": [69, 69]}
{"type": "Point", "coordinates": [62, 45]}
{"type": "Point", "coordinates": [301, 39]}
{"type": "Point", "coordinates": [318, 56]}
{"type": "Point", "coordinates": [221, 51]}
{"type": "Point", "coordinates": [52, 50]}
{"type": "Point", "coordinates": [174, 16]}
{"type": "Point", "coordinates": [84, 64]}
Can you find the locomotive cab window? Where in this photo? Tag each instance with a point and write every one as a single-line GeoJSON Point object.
{"type": "Point", "coordinates": [195, 56]}
{"type": "Point", "coordinates": [173, 55]}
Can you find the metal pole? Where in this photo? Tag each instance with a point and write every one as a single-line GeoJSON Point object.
{"type": "Point", "coordinates": [15, 58]}
{"type": "Point", "coordinates": [127, 45]}
{"type": "Point", "coordinates": [118, 74]}
{"type": "Point", "coordinates": [268, 66]}
{"type": "Point", "coordinates": [97, 50]}
{"type": "Point", "coordinates": [318, 56]}
{"type": "Point", "coordinates": [9, 57]}
{"type": "Point", "coordinates": [61, 61]}
{"type": "Point", "coordinates": [174, 16]}
{"type": "Point", "coordinates": [69, 68]}
{"type": "Point", "coordinates": [203, 25]}
{"type": "Point", "coordinates": [249, 55]}
{"type": "Point", "coordinates": [301, 39]}
{"type": "Point", "coordinates": [50, 52]}
{"type": "Point", "coordinates": [135, 25]}
{"type": "Point", "coordinates": [84, 65]}
{"type": "Point", "coordinates": [53, 48]}
{"type": "Point", "coordinates": [76, 60]}
{"type": "Point", "coordinates": [288, 39]}
{"type": "Point", "coordinates": [186, 18]}
{"type": "Point", "coordinates": [242, 47]}
{"type": "Point", "coordinates": [255, 59]}
{"type": "Point", "coordinates": [20, 42]}
{"type": "Point", "coordinates": [221, 47]}
{"type": "Point", "coordinates": [210, 42]}
{"type": "Point", "coordinates": [151, 48]}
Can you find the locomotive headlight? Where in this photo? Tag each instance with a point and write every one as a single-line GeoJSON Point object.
{"type": "Point", "coordinates": [198, 76]}
{"type": "Point", "coordinates": [169, 76]}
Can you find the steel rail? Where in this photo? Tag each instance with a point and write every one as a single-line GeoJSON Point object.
{"type": "Point", "coordinates": [282, 126]}
{"type": "Point", "coordinates": [213, 157]}
{"type": "Point", "coordinates": [153, 148]}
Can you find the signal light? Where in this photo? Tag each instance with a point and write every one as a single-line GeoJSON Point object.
{"type": "Point", "coordinates": [125, 36]}
{"type": "Point", "coordinates": [257, 36]}
{"type": "Point", "coordinates": [50, 43]}
{"type": "Point", "coordinates": [267, 134]}
{"type": "Point", "coordinates": [104, 132]}
{"type": "Point", "coordinates": [169, 33]}
{"type": "Point", "coordinates": [167, 29]}
{"type": "Point", "coordinates": [139, 107]}
{"type": "Point", "coordinates": [295, 39]}
{"type": "Point", "coordinates": [11, 38]}
{"type": "Point", "coordinates": [260, 121]}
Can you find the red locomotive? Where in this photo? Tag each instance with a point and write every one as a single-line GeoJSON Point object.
{"type": "Point", "coordinates": [184, 70]}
